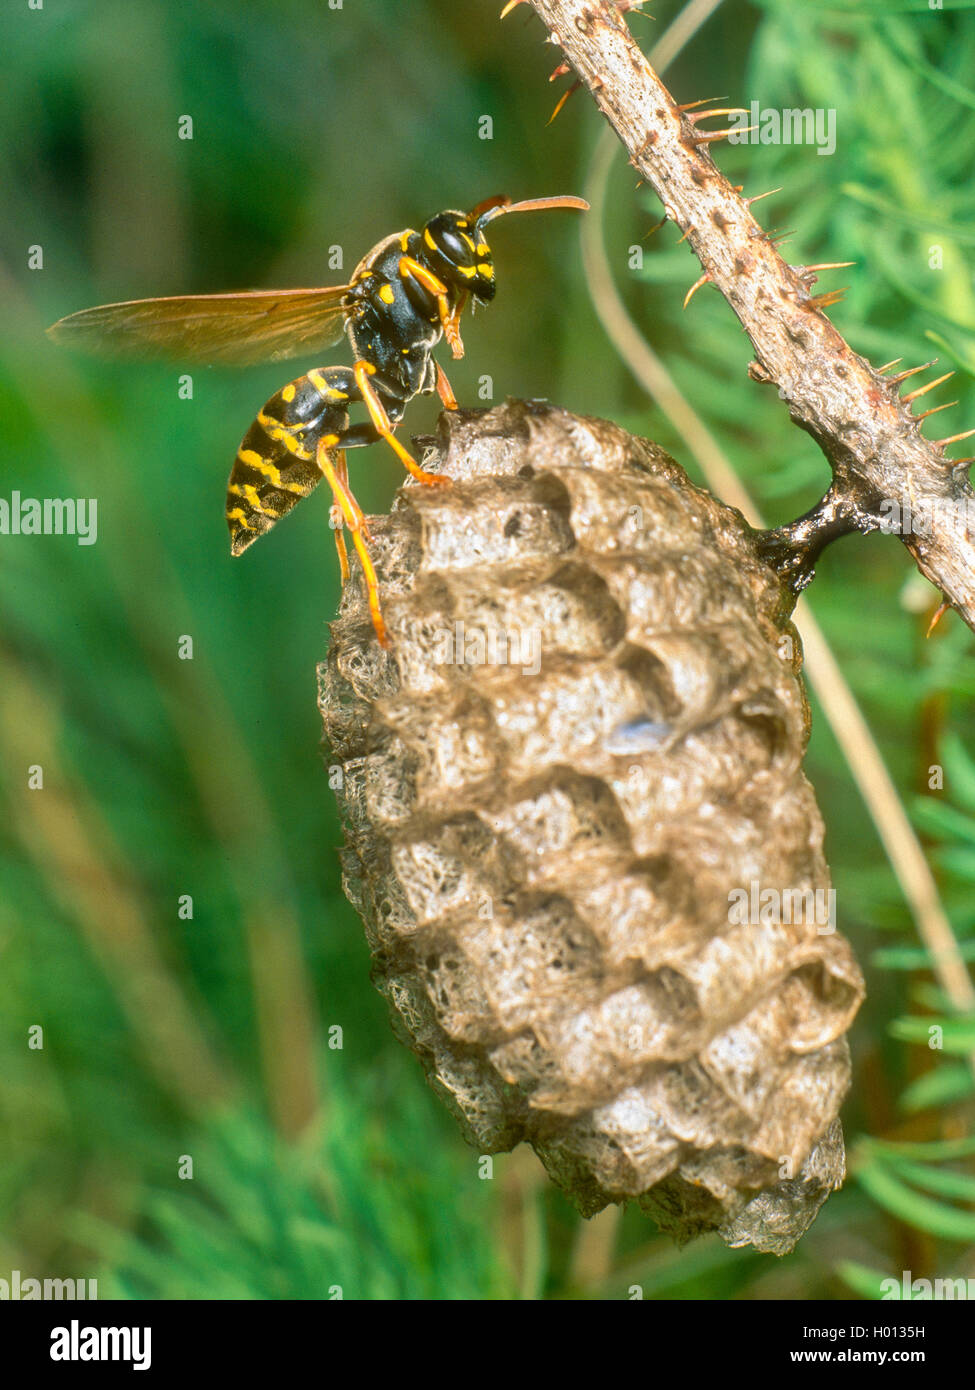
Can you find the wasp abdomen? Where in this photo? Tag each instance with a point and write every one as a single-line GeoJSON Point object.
{"type": "Point", "coordinates": [276, 463]}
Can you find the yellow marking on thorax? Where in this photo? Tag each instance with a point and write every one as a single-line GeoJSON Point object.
{"type": "Point", "coordinates": [468, 271]}
{"type": "Point", "coordinates": [386, 294]}
{"type": "Point", "coordinates": [429, 240]}
{"type": "Point", "coordinates": [487, 270]}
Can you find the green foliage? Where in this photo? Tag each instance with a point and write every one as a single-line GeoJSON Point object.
{"type": "Point", "coordinates": [166, 1035]}
{"type": "Point", "coordinates": [362, 1208]}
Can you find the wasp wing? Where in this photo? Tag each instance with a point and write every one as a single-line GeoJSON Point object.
{"type": "Point", "coordinates": [236, 329]}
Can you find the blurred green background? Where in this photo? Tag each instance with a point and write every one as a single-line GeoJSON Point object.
{"type": "Point", "coordinates": [247, 1036]}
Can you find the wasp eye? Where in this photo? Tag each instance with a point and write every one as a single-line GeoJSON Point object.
{"type": "Point", "coordinates": [452, 246]}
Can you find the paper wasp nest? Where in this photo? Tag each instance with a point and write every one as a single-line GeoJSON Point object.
{"type": "Point", "coordinates": [588, 862]}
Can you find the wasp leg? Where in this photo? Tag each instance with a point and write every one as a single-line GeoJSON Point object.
{"type": "Point", "coordinates": [444, 390]}
{"type": "Point", "coordinates": [336, 521]}
{"type": "Point", "coordinates": [354, 520]}
{"type": "Point", "coordinates": [429, 281]}
{"type": "Point", "coordinates": [377, 414]}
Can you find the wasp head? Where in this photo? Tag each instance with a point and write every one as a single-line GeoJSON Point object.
{"type": "Point", "coordinates": [457, 252]}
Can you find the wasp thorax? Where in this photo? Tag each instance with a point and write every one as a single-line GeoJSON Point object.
{"type": "Point", "coordinates": [458, 253]}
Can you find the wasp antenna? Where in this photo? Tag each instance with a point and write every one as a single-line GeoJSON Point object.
{"type": "Point", "coordinates": [934, 410]}
{"type": "Point", "coordinates": [923, 390]}
{"type": "Point", "coordinates": [704, 280]}
{"type": "Point", "coordinates": [952, 439]}
{"type": "Point", "coordinates": [911, 371]}
{"type": "Point", "coordinates": [497, 207]}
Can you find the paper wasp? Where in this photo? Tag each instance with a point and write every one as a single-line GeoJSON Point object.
{"type": "Point", "coordinates": [404, 295]}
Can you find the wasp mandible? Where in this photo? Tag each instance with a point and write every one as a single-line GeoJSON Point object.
{"type": "Point", "coordinates": [406, 294]}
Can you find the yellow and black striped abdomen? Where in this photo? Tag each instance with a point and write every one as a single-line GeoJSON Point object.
{"type": "Point", "coordinates": [275, 465]}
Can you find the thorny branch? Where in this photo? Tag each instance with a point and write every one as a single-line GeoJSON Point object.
{"type": "Point", "coordinates": [867, 431]}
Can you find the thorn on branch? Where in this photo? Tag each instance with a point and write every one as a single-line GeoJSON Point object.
{"type": "Point", "coordinates": [719, 111]}
{"type": "Point", "coordinates": [757, 197]}
{"type": "Point", "coordinates": [704, 280]}
{"type": "Point", "coordinates": [923, 390]}
{"type": "Point", "coordinates": [823, 301]}
{"type": "Point", "coordinates": [911, 371]}
{"type": "Point", "coordinates": [690, 105]}
{"type": "Point", "coordinates": [656, 227]}
{"type": "Point", "coordinates": [808, 272]}
{"type": "Point", "coordinates": [934, 410]}
{"type": "Point", "coordinates": [710, 135]}
{"type": "Point", "coordinates": [952, 439]}
{"type": "Point", "coordinates": [942, 610]}
{"type": "Point", "coordinates": [563, 99]}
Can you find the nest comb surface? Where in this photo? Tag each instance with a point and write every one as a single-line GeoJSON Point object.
{"type": "Point", "coordinates": [583, 747]}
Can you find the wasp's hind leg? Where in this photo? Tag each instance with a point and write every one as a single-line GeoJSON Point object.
{"type": "Point", "coordinates": [336, 476]}
{"type": "Point", "coordinates": [336, 521]}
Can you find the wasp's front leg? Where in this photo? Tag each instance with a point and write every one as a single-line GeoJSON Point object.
{"type": "Point", "coordinates": [408, 267]}
{"type": "Point", "coordinates": [444, 389]}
